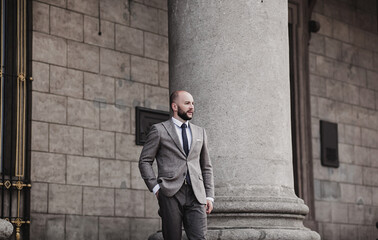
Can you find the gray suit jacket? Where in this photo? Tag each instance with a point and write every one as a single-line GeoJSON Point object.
{"type": "Point", "coordinates": [163, 144]}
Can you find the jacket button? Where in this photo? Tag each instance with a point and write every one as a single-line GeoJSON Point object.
{"type": "Point", "coordinates": [183, 174]}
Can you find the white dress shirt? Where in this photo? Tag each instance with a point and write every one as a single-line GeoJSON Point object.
{"type": "Point", "coordinates": [178, 125]}
{"type": "Point", "coordinates": [178, 128]}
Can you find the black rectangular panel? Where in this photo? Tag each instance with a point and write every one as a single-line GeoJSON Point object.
{"type": "Point", "coordinates": [329, 144]}
{"type": "Point", "coordinates": [145, 118]}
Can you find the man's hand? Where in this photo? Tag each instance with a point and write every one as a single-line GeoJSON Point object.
{"type": "Point", "coordinates": [209, 206]}
{"type": "Point", "coordinates": [157, 195]}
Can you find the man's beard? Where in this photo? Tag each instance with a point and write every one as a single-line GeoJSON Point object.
{"type": "Point", "coordinates": [183, 115]}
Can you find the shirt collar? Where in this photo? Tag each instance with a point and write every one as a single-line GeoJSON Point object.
{"type": "Point", "coordinates": [178, 122]}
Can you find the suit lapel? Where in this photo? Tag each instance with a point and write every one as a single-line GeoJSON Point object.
{"type": "Point", "coordinates": [170, 126]}
{"type": "Point", "coordinates": [193, 129]}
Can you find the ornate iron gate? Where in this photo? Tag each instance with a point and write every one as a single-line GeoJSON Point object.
{"type": "Point", "coordinates": [14, 113]}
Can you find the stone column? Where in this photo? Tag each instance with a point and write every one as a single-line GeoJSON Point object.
{"type": "Point", "coordinates": [233, 56]}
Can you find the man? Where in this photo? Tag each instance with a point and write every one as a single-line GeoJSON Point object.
{"type": "Point", "coordinates": [184, 185]}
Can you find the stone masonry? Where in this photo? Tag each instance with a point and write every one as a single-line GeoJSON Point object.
{"type": "Point", "coordinates": [85, 178]}
{"type": "Point", "coordinates": [344, 90]}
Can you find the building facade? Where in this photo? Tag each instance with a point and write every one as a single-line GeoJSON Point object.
{"type": "Point", "coordinates": [343, 80]}
{"type": "Point", "coordinates": [94, 61]}
{"type": "Point", "coordinates": [86, 181]}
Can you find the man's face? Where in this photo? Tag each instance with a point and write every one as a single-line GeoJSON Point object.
{"type": "Point", "coordinates": [185, 106]}
{"type": "Point", "coordinates": [184, 115]}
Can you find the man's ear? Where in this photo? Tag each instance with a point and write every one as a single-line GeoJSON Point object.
{"type": "Point", "coordinates": [174, 107]}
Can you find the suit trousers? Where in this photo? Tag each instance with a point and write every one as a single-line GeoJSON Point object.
{"type": "Point", "coordinates": [182, 209]}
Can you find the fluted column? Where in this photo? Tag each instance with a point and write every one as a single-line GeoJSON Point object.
{"type": "Point", "coordinates": [233, 57]}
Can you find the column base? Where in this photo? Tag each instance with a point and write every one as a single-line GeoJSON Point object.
{"type": "Point", "coordinates": [259, 234]}
{"type": "Point", "coordinates": [257, 218]}
{"type": "Point", "coordinates": [253, 234]}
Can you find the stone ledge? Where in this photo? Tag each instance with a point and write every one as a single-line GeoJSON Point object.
{"type": "Point", "coordinates": [261, 205]}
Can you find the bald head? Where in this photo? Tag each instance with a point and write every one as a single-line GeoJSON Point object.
{"type": "Point", "coordinates": [175, 96]}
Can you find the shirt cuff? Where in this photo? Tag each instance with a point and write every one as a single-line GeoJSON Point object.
{"type": "Point", "coordinates": [156, 188]}
{"type": "Point", "coordinates": [210, 198]}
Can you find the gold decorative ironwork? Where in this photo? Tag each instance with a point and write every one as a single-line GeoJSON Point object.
{"type": "Point", "coordinates": [21, 111]}
{"type": "Point", "coordinates": [21, 89]}
{"type": "Point", "coordinates": [19, 222]}
{"type": "Point", "coordinates": [7, 184]}
{"type": "Point", "coordinates": [21, 77]}
{"type": "Point", "coordinates": [21, 104]}
{"type": "Point", "coordinates": [21, 95]}
{"type": "Point", "coordinates": [20, 185]}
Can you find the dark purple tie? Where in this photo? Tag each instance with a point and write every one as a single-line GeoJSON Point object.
{"type": "Point", "coordinates": [186, 148]}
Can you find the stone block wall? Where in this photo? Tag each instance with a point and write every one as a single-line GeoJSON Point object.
{"type": "Point", "coordinates": [85, 178]}
{"type": "Point", "coordinates": [344, 90]}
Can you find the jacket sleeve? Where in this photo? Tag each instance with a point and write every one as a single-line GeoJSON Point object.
{"type": "Point", "coordinates": [147, 158]}
{"type": "Point", "coordinates": [207, 168]}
